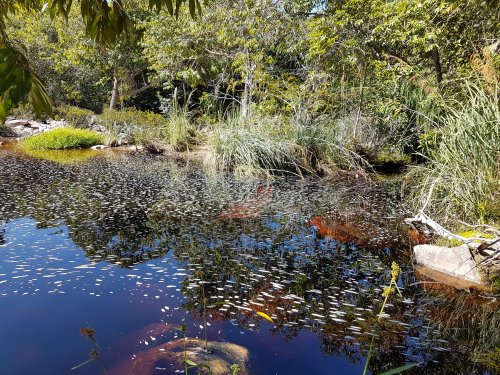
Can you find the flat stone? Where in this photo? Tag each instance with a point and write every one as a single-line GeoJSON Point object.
{"type": "Point", "coordinates": [454, 261]}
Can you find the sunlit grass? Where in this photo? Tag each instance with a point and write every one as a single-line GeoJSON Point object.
{"type": "Point", "coordinates": [63, 138]}
{"type": "Point", "coordinates": [463, 170]}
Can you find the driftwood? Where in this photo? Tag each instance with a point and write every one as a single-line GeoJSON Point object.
{"type": "Point", "coordinates": [488, 247]}
{"type": "Point", "coordinates": [472, 242]}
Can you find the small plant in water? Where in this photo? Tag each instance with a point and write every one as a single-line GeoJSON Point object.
{"type": "Point", "coordinates": [95, 353]}
{"type": "Point", "coordinates": [388, 290]}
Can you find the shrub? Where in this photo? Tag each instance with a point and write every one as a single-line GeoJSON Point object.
{"type": "Point", "coordinates": [63, 138]}
{"type": "Point", "coordinates": [130, 125]}
{"type": "Point", "coordinates": [24, 111]}
{"type": "Point", "coordinates": [148, 129]}
{"type": "Point", "coordinates": [462, 175]}
{"type": "Point", "coordinates": [75, 116]}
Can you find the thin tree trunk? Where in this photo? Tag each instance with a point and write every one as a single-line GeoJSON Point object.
{"type": "Point", "coordinates": [361, 98]}
{"type": "Point", "coordinates": [246, 99]}
{"type": "Point", "coordinates": [437, 64]}
{"type": "Point", "coordinates": [115, 94]}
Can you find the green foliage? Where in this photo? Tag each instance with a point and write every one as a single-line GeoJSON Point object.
{"type": "Point", "coordinates": [325, 146]}
{"type": "Point", "coordinates": [105, 22]}
{"type": "Point", "coordinates": [462, 174]}
{"type": "Point", "coordinates": [149, 129]}
{"type": "Point", "coordinates": [490, 359]}
{"type": "Point", "coordinates": [130, 125]}
{"type": "Point", "coordinates": [63, 138]}
{"type": "Point", "coordinates": [179, 131]}
{"type": "Point", "coordinates": [74, 116]}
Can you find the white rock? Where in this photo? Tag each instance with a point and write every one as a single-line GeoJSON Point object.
{"type": "Point", "coordinates": [15, 123]}
{"type": "Point", "coordinates": [99, 147]}
{"type": "Point", "coordinates": [454, 261]}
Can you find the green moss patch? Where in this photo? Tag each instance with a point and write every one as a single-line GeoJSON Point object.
{"type": "Point", "coordinates": [62, 139]}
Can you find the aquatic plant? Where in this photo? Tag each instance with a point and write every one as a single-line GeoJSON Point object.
{"type": "Point", "coordinates": [94, 355]}
{"type": "Point", "coordinates": [70, 156]}
{"type": "Point", "coordinates": [388, 290]}
{"type": "Point", "coordinates": [63, 138]}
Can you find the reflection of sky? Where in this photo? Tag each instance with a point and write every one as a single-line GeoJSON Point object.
{"type": "Point", "coordinates": [109, 268]}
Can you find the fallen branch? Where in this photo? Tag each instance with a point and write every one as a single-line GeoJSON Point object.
{"type": "Point", "coordinates": [472, 242]}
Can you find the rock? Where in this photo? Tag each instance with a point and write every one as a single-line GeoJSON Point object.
{"type": "Point", "coordinates": [99, 147]}
{"type": "Point", "coordinates": [441, 283]}
{"type": "Point", "coordinates": [454, 261]}
{"type": "Point", "coordinates": [53, 124]}
{"type": "Point", "coordinates": [99, 128]}
{"type": "Point", "coordinates": [220, 357]}
{"type": "Point", "coordinates": [16, 123]}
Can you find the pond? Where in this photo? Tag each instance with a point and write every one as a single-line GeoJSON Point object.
{"type": "Point", "coordinates": [282, 276]}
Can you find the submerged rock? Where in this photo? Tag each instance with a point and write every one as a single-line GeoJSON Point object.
{"type": "Point", "coordinates": [454, 261]}
{"type": "Point", "coordinates": [216, 360]}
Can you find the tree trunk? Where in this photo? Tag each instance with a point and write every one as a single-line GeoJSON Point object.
{"type": "Point", "coordinates": [437, 65]}
{"type": "Point", "coordinates": [246, 99]}
{"type": "Point", "coordinates": [115, 94]}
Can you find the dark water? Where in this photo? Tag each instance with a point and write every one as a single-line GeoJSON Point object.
{"type": "Point", "coordinates": [133, 246]}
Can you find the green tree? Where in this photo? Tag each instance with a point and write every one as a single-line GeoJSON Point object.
{"type": "Point", "coordinates": [105, 22]}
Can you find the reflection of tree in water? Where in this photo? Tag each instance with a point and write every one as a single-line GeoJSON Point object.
{"type": "Point", "coordinates": [2, 238]}
{"type": "Point", "coordinates": [333, 292]}
{"type": "Point", "coordinates": [272, 263]}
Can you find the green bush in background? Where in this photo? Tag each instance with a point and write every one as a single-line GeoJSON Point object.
{"type": "Point", "coordinates": [75, 116]}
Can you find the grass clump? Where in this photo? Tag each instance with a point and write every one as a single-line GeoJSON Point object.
{"type": "Point", "coordinates": [324, 146]}
{"type": "Point", "coordinates": [253, 147]}
{"type": "Point", "coordinates": [130, 126]}
{"type": "Point", "coordinates": [462, 173]}
{"type": "Point", "coordinates": [63, 138]}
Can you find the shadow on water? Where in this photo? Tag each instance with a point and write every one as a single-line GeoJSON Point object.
{"type": "Point", "coordinates": [285, 275]}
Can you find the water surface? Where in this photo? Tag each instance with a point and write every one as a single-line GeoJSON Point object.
{"type": "Point", "coordinates": [134, 246]}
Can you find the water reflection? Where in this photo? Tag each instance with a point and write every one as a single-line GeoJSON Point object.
{"type": "Point", "coordinates": [313, 256]}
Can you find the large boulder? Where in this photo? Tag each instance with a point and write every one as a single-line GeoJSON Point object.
{"type": "Point", "coordinates": [454, 261]}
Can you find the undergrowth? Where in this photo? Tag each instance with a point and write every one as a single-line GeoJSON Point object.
{"type": "Point", "coordinates": [461, 175]}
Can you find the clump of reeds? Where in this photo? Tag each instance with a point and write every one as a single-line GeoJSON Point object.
{"type": "Point", "coordinates": [461, 179]}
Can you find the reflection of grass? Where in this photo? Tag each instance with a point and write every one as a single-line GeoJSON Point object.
{"type": "Point", "coordinates": [62, 156]}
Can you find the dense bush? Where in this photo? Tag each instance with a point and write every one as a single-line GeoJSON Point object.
{"type": "Point", "coordinates": [63, 138]}
{"type": "Point", "coordinates": [74, 116]}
